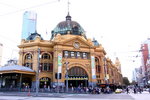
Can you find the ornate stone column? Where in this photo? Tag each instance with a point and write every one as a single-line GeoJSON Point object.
{"type": "Point", "coordinates": [93, 69]}
{"type": "Point", "coordinates": [57, 65]}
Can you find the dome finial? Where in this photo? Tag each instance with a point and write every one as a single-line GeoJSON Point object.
{"type": "Point", "coordinates": [68, 6]}
{"type": "Point", "coordinates": [68, 17]}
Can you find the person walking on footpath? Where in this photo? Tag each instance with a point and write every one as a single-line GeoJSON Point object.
{"type": "Point", "coordinates": [134, 90]}
{"type": "Point", "coordinates": [140, 90]}
{"type": "Point", "coordinates": [127, 89]}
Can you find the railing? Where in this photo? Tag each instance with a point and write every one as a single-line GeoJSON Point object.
{"type": "Point", "coordinates": [9, 89]}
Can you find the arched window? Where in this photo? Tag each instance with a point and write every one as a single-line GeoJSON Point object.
{"type": "Point", "coordinates": [28, 60]}
{"type": "Point", "coordinates": [45, 56]}
{"type": "Point", "coordinates": [84, 55]}
{"type": "Point", "coordinates": [46, 62]}
{"type": "Point", "coordinates": [98, 67]}
{"type": "Point", "coordinates": [75, 30]}
{"type": "Point", "coordinates": [28, 56]}
{"type": "Point", "coordinates": [46, 67]}
{"type": "Point", "coordinates": [77, 71]}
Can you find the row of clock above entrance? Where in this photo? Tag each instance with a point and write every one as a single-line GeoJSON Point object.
{"type": "Point", "coordinates": [76, 54]}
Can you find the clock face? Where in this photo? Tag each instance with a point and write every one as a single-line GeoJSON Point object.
{"type": "Point", "coordinates": [76, 45]}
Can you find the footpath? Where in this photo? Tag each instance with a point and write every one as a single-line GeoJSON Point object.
{"type": "Point", "coordinates": [112, 96]}
{"type": "Point", "coordinates": [140, 96]}
{"type": "Point", "coordinates": [40, 94]}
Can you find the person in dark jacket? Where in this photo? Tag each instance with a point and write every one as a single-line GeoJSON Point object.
{"type": "Point", "coordinates": [127, 89]}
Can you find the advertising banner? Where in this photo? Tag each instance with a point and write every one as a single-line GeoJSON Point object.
{"type": "Point", "coordinates": [93, 67]}
{"type": "Point", "coordinates": [59, 62]}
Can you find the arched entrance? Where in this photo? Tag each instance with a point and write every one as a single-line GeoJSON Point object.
{"type": "Point", "coordinates": [45, 82]}
{"type": "Point", "coordinates": [77, 76]}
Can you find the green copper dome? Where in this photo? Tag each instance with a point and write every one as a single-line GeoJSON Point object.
{"type": "Point", "coordinates": [33, 36]}
{"type": "Point", "coordinates": [68, 26]}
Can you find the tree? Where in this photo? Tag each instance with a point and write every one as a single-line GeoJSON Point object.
{"type": "Point", "coordinates": [126, 81]}
{"type": "Point", "coordinates": [133, 83]}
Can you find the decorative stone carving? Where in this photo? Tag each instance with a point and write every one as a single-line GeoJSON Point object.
{"type": "Point", "coordinates": [22, 41]}
{"type": "Point", "coordinates": [37, 39]}
{"type": "Point", "coordinates": [58, 38]}
{"type": "Point", "coordinates": [90, 42]}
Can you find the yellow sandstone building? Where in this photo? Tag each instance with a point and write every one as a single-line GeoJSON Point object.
{"type": "Point", "coordinates": [68, 55]}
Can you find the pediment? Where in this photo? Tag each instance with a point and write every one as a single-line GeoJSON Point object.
{"type": "Point", "coordinates": [81, 41]}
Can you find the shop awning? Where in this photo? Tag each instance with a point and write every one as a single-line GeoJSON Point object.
{"type": "Point", "coordinates": [16, 69]}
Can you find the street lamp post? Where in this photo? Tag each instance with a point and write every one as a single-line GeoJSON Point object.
{"type": "Point", "coordinates": [66, 74]}
{"type": "Point", "coordinates": [146, 78]}
{"type": "Point", "coordinates": [37, 72]}
{"type": "Point", "coordinates": [20, 81]}
{"type": "Point", "coordinates": [105, 69]}
{"type": "Point", "coordinates": [58, 82]}
{"type": "Point", "coordinates": [1, 77]}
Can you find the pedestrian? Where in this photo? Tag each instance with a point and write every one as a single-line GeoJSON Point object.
{"type": "Point", "coordinates": [72, 89]}
{"type": "Point", "coordinates": [134, 90]}
{"type": "Point", "coordinates": [48, 88]}
{"type": "Point", "coordinates": [127, 89]}
{"type": "Point", "coordinates": [140, 90]}
{"type": "Point", "coordinates": [108, 90]}
{"type": "Point", "coordinates": [45, 87]}
{"type": "Point", "coordinates": [87, 90]}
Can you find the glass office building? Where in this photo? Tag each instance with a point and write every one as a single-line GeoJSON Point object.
{"type": "Point", "coordinates": [29, 24]}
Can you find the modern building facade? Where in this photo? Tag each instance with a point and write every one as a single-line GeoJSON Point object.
{"type": "Point", "coordinates": [137, 76]}
{"type": "Point", "coordinates": [1, 47]}
{"type": "Point", "coordinates": [145, 52]}
{"type": "Point", "coordinates": [148, 72]}
{"type": "Point", "coordinates": [29, 24]}
{"type": "Point", "coordinates": [69, 57]}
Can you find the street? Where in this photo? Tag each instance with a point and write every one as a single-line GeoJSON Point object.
{"type": "Point", "coordinates": [143, 96]}
{"type": "Point", "coordinates": [122, 96]}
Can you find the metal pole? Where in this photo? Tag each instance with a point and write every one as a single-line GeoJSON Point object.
{"type": "Point", "coordinates": [66, 76]}
{"type": "Point", "coordinates": [1, 81]}
{"type": "Point", "coordinates": [57, 82]}
{"type": "Point", "coordinates": [57, 72]}
{"type": "Point", "coordinates": [105, 71]}
{"type": "Point", "coordinates": [85, 83]}
{"type": "Point", "coordinates": [20, 81]}
{"type": "Point", "coordinates": [37, 73]}
{"type": "Point", "coordinates": [146, 78]}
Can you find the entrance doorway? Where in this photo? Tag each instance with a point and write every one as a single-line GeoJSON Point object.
{"type": "Point", "coordinates": [9, 80]}
{"type": "Point", "coordinates": [45, 82]}
{"type": "Point", "coordinates": [77, 76]}
{"type": "Point", "coordinates": [26, 82]}
{"type": "Point", "coordinates": [77, 83]}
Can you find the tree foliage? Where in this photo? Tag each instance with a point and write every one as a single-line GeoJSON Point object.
{"type": "Point", "coordinates": [126, 81]}
{"type": "Point", "coordinates": [133, 83]}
